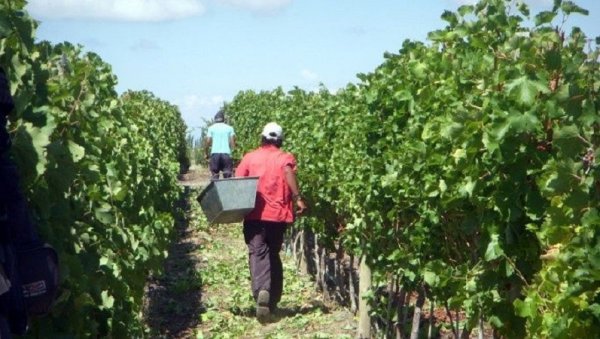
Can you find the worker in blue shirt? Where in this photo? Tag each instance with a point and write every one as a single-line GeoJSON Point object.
{"type": "Point", "coordinates": [221, 140]}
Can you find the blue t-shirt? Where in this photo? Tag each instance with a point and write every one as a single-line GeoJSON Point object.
{"type": "Point", "coordinates": [220, 134]}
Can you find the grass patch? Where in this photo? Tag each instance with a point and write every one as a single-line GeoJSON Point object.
{"type": "Point", "coordinates": [227, 301]}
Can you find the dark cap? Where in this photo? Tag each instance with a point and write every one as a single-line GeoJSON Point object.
{"type": "Point", "coordinates": [220, 116]}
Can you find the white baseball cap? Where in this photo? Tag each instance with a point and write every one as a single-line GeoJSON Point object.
{"type": "Point", "coordinates": [272, 131]}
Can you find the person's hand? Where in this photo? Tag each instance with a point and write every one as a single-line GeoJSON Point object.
{"type": "Point", "coordinates": [301, 206]}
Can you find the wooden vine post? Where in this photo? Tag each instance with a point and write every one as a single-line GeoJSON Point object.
{"type": "Point", "coordinates": [364, 285]}
{"type": "Point", "coordinates": [304, 252]}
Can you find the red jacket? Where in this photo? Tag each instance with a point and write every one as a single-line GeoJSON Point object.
{"type": "Point", "coordinates": [273, 197]}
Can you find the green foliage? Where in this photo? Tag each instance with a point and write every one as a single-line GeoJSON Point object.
{"type": "Point", "coordinates": [467, 164]}
{"type": "Point", "coordinates": [458, 163]}
{"type": "Point", "coordinates": [99, 171]}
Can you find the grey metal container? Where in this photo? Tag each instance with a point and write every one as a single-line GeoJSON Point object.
{"type": "Point", "coordinates": [226, 201]}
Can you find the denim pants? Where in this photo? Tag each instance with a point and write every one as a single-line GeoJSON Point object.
{"type": "Point", "coordinates": [264, 240]}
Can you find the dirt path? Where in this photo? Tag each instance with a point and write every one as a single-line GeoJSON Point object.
{"type": "Point", "coordinates": [204, 291]}
{"type": "Point", "coordinates": [173, 299]}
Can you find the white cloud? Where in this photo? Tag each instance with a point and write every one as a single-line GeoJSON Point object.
{"type": "Point", "coordinates": [194, 101]}
{"type": "Point", "coordinates": [120, 10]}
{"type": "Point", "coordinates": [309, 75]}
{"type": "Point", "coordinates": [195, 109]}
{"type": "Point", "coordinates": [258, 5]}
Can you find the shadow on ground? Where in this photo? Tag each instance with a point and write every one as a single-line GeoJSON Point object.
{"type": "Point", "coordinates": [280, 313]}
{"type": "Point", "coordinates": [173, 299]}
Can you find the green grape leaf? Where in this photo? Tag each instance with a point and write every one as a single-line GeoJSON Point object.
{"type": "Point", "coordinates": [566, 138]}
{"type": "Point", "coordinates": [494, 250]}
{"type": "Point", "coordinates": [570, 7]}
{"type": "Point", "coordinates": [5, 27]}
{"type": "Point", "coordinates": [108, 301]}
{"type": "Point", "coordinates": [104, 214]}
{"type": "Point", "coordinates": [523, 8]}
{"type": "Point", "coordinates": [525, 90]}
{"type": "Point", "coordinates": [523, 123]}
{"type": "Point", "coordinates": [431, 278]}
{"type": "Point", "coordinates": [30, 144]}
{"type": "Point", "coordinates": [544, 18]}
{"type": "Point", "coordinates": [525, 309]}
{"type": "Point", "coordinates": [77, 151]}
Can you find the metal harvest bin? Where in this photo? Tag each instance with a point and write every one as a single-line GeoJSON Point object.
{"type": "Point", "coordinates": [226, 201]}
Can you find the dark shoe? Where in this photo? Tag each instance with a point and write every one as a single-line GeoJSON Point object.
{"type": "Point", "coordinates": [262, 306]}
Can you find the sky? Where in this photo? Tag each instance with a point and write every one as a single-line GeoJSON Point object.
{"type": "Point", "coordinates": [198, 54]}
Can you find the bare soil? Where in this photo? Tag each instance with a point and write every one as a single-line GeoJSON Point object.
{"type": "Point", "coordinates": [172, 308]}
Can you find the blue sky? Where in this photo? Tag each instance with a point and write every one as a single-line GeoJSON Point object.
{"type": "Point", "coordinates": [198, 53]}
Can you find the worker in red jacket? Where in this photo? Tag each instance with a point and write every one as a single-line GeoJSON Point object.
{"type": "Point", "coordinates": [264, 227]}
